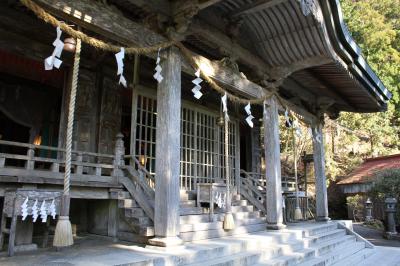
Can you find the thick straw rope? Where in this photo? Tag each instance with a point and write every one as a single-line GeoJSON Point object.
{"type": "Point", "coordinates": [99, 44]}
{"type": "Point", "coordinates": [71, 113]}
{"type": "Point", "coordinates": [227, 172]}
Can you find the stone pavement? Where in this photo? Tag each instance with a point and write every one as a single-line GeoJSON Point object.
{"type": "Point", "coordinates": [374, 236]}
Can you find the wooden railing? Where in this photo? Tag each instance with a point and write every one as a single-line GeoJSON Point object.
{"type": "Point", "coordinates": [253, 188]}
{"type": "Point", "coordinates": [37, 161]}
{"type": "Point", "coordinates": [140, 184]}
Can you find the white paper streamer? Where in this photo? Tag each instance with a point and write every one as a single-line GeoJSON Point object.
{"type": "Point", "coordinates": [225, 105]}
{"type": "Point", "coordinates": [35, 211]}
{"type": "Point", "coordinates": [53, 60]}
{"type": "Point", "coordinates": [249, 117]}
{"type": "Point", "coordinates": [317, 136]}
{"type": "Point", "coordinates": [196, 89]}
{"type": "Point", "coordinates": [24, 209]}
{"type": "Point", "coordinates": [297, 128]}
{"type": "Point", "coordinates": [43, 212]}
{"type": "Point", "coordinates": [220, 199]}
{"type": "Point", "coordinates": [287, 118]}
{"type": "Point", "coordinates": [120, 64]}
{"type": "Point", "coordinates": [158, 69]}
{"type": "Point", "coordinates": [52, 209]}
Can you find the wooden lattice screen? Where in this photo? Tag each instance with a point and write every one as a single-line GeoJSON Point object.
{"type": "Point", "coordinates": [202, 145]}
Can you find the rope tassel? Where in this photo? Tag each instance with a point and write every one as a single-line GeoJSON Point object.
{"type": "Point", "coordinates": [63, 233]}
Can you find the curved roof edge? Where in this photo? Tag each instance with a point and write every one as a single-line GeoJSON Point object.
{"type": "Point", "coordinates": [351, 52]}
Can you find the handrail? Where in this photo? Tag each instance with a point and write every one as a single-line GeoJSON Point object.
{"type": "Point", "coordinates": [43, 147]}
{"type": "Point", "coordinates": [149, 177]}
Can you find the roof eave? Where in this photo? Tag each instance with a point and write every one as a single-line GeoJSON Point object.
{"type": "Point", "coordinates": [350, 52]}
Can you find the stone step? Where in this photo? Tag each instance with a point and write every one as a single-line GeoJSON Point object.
{"type": "Point", "coordinates": [242, 259]}
{"type": "Point", "coordinates": [293, 258]}
{"type": "Point", "coordinates": [207, 234]}
{"type": "Point", "coordinates": [142, 230]}
{"type": "Point", "coordinates": [134, 212]}
{"type": "Point", "coordinates": [127, 203]}
{"type": "Point", "coordinates": [356, 258]}
{"type": "Point", "coordinates": [336, 243]}
{"type": "Point", "coordinates": [336, 255]}
{"type": "Point", "coordinates": [187, 195]}
{"type": "Point", "coordinates": [236, 197]}
{"type": "Point", "coordinates": [218, 225]}
{"type": "Point", "coordinates": [187, 203]}
{"type": "Point", "coordinates": [242, 208]}
{"type": "Point", "coordinates": [316, 239]}
{"type": "Point", "coordinates": [241, 202]}
{"type": "Point", "coordinates": [204, 218]}
{"type": "Point", "coordinates": [190, 211]}
{"type": "Point", "coordinates": [143, 221]}
{"type": "Point", "coordinates": [207, 251]}
{"type": "Point", "coordinates": [315, 230]}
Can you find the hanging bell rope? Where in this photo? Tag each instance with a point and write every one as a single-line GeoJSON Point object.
{"type": "Point", "coordinates": [229, 222]}
{"type": "Point", "coordinates": [297, 211]}
{"type": "Point", "coordinates": [63, 233]}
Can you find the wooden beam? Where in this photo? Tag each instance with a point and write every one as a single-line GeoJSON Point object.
{"type": "Point", "coordinates": [215, 36]}
{"type": "Point", "coordinates": [154, 6]}
{"type": "Point", "coordinates": [101, 19]}
{"type": "Point", "coordinates": [256, 6]}
{"type": "Point", "coordinates": [97, 18]}
{"type": "Point", "coordinates": [203, 4]}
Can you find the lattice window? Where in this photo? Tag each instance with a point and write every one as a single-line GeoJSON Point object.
{"type": "Point", "coordinates": [145, 149]}
{"type": "Point", "coordinates": [202, 143]}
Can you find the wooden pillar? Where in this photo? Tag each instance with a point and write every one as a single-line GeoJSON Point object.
{"type": "Point", "coordinates": [273, 165]}
{"type": "Point", "coordinates": [166, 212]}
{"type": "Point", "coordinates": [135, 94]}
{"type": "Point", "coordinates": [320, 178]}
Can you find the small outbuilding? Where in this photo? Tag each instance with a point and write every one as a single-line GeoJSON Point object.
{"type": "Point", "coordinates": [361, 179]}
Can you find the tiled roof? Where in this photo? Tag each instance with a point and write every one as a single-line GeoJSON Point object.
{"type": "Point", "coordinates": [364, 173]}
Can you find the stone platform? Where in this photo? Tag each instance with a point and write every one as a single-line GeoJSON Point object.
{"type": "Point", "coordinates": [299, 244]}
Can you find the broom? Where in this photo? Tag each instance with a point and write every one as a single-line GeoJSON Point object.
{"type": "Point", "coordinates": [297, 211]}
{"type": "Point", "coordinates": [63, 234]}
{"type": "Point", "coordinates": [229, 222]}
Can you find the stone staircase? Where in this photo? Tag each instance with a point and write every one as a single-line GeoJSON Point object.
{"type": "Point", "coordinates": [308, 244]}
{"type": "Point", "coordinates": [195, 222]}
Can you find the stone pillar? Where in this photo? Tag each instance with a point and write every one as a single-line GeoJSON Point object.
{"type": "Point", "coordinates": [368, 210]}
{"type": "Point", "coordinates": [166, 212]}
{"type": "Point", "coordinates": [113, 215]}
{"type": "Point", "coordinates": [390, 210]}
{"type": "Point", "coordinates": [320, 178]}
{"type": "Point", "coordinates": [273, 165]}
